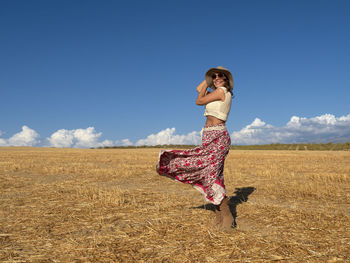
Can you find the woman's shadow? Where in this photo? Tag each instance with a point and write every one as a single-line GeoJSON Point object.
{"type": "Point", "coordinates": [241, 195]}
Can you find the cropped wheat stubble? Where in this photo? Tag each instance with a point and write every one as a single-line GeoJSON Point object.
{"type": "Point", "coordinates": [99, 205]}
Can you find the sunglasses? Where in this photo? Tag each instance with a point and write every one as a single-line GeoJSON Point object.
{"type": "Point", "coordinates": [219, 75]}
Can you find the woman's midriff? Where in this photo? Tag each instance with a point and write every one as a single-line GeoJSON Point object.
{"type": "Point", "coordinates": [211, 121]}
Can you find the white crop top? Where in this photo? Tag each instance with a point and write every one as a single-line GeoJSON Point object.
{"type": "Point", "coordinates": [219, 109]}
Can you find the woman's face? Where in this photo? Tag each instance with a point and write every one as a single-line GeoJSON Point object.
{"type": "Point", "coordinates": [219, 79]}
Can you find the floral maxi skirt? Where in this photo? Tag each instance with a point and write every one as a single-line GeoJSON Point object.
{"type": "Point", "coordinates": [202, 166]}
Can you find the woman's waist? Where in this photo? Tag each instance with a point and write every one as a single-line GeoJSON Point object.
{"type": "Point", "coordinates": [215, 127]}
{"type": "Point", "coordinates": [213, 120]}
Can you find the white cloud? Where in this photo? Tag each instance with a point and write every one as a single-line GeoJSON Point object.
{"type": "Point", "coordinates": [320, 129]}
{"type": "Point", "coordinates": [109, 143]}
{"type": "Point", "coordinates": [79, 138]}
{"type": "Point", "coordinates": [3, 142]}
{"type": "Point", "coordinates": [82, 138]}
{"type": "Point", "coordinates": [26, 137]}
{"type": "Point", "coordinates": [168, 136]}
{"type": "Point", "coordinates": [61, 138]}
{"type": "Point", "coordinates": [86, 137]}
{"type": "Point", "coordinates": [125, 142]}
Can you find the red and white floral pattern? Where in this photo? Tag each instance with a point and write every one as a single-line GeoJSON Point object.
{"type": "Point", "coordinates": [202, 166]}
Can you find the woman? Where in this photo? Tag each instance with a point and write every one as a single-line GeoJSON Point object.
{"type": "Point", "coordinates": [203, 166]}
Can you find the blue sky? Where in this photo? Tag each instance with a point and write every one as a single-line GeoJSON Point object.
{"type": "Point", "coordinates": [129, 69]}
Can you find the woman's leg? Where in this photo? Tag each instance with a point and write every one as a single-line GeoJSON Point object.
{"type": "Point", "coordinates": [226, 215]}
{"type": "Point", "coordinates": [218, 216]}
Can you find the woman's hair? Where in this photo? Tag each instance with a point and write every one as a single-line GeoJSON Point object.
{"type": "Point", "coordinates": [227, 86]}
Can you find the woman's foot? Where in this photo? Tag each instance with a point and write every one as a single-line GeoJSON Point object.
{"type": "Point", "coordinates": [218, 216]}
{"type": "Point", "coordinates": [227, 218]}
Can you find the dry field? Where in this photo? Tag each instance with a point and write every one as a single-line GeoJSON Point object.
{"type": "Point", "coordinates": [99, 205]}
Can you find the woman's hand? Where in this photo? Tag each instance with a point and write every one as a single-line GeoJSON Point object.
{"type": "Point", "coordinates": [202, 85]}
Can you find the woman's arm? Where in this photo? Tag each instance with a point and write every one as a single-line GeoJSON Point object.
{"type": "Point", "coordinates": [204, 98]}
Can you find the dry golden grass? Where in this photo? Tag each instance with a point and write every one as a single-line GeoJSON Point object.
{"type": "Point", "coordinates": [72, 205]}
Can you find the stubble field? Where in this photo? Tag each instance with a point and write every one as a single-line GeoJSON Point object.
{"type": "Point", "coordinates": [109, 205]}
